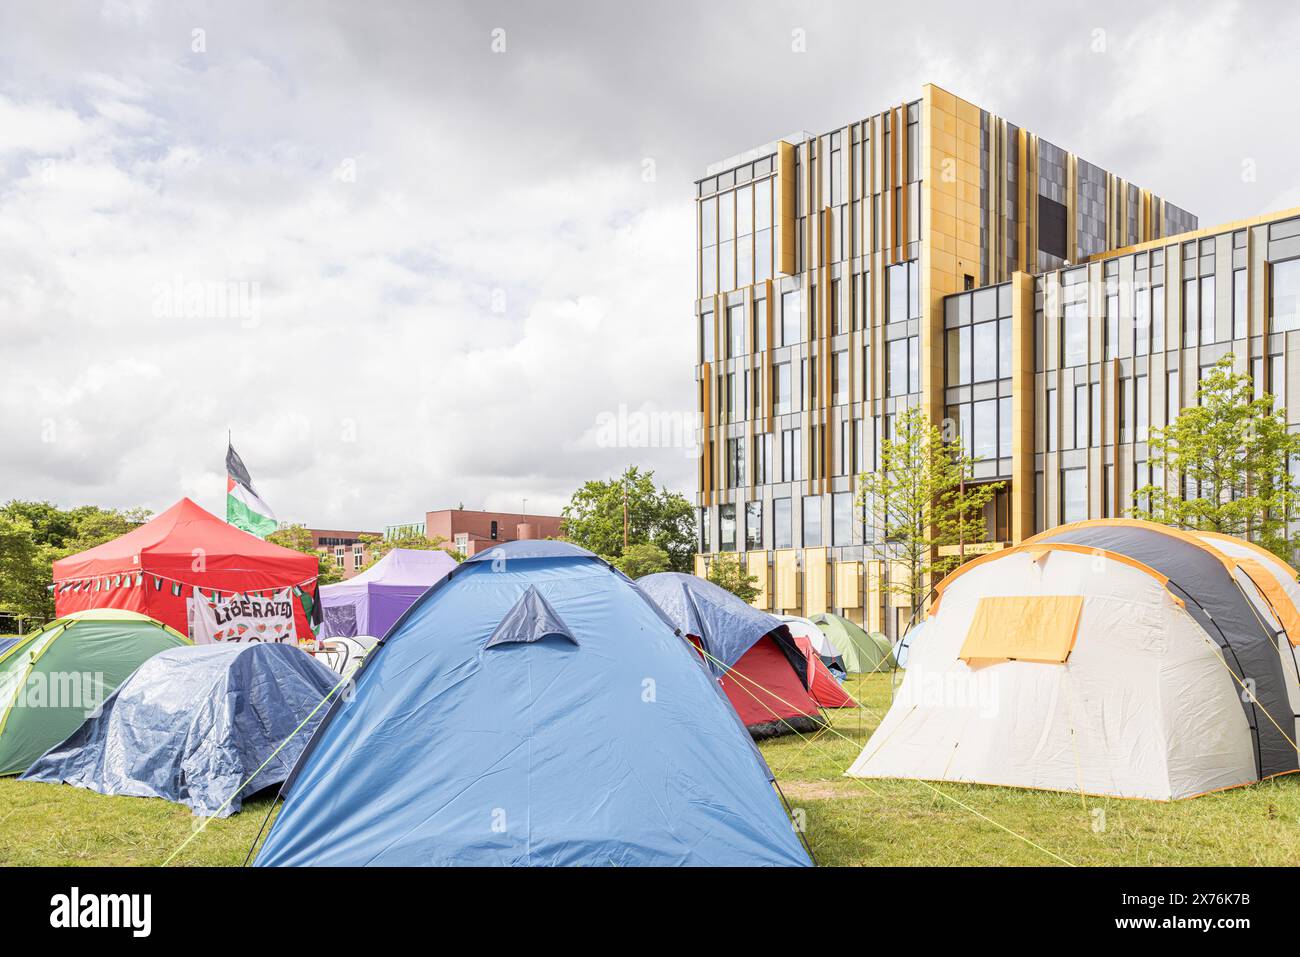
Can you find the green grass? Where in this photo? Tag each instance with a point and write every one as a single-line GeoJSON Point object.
{"type": "Point", "coordinates": [54, 824]}
{"type": "Point", "coordinates": [855, 821]}
{"type": "Point", "coordinates": [848, 821]}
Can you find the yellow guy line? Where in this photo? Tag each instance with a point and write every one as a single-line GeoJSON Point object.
{"type": "Point", "coordinates": [226, 803]}
{"type": "Point", "coordinates": [927, 784]}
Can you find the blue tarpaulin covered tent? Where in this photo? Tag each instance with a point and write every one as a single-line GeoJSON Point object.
{"type": "Point", "coordinates": [533, 708]}
{"type": "Point", "coordinates": [192, 724]}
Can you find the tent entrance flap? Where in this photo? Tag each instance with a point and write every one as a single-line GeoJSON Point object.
{"type": "Point", "coordinates": [1024, 627]}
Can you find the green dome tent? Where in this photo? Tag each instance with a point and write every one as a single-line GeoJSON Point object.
{"type": "Point", "coordinates": [52, 679]}
{"type": "Point", "coordinates": [862, 651]}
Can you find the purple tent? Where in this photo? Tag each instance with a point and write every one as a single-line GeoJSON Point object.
{"type": "Point", "coordinates": [369, 603]}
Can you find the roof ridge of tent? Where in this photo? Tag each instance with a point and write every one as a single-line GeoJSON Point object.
{"type": "Point", "coordinates": [1186, 536]}
{"type": "Point", "coordinates": [1253, 546]}
{"type": "Point", "coordinates": [1029, 545]}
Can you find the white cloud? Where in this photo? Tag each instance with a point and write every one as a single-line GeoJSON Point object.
{"type": "Point", "coordinates": [456, 263]}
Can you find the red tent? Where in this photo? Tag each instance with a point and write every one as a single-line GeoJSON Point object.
{"type": "Point", "coordinates": [153, 569]}
{"type": "Point", "coordinates": [822, 684]}
{"type": "Point", "coordinates": [766, 692]}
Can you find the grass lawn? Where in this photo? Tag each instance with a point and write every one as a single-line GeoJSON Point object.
{"type": "Point", "coordinates": [848, 821]}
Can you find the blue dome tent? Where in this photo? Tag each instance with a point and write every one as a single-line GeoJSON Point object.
{"type": "Point", "coordinates": [533, 708]}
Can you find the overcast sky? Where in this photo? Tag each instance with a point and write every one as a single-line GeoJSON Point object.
{"type": "Point", "coordinates": [459, 234]}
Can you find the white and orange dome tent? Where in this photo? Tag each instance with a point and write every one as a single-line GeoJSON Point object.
{"type": "Point", "coordinates": [1111, 657]}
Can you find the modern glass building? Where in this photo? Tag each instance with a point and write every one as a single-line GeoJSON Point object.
{"type": "Point", "coordinates": [936, 255]}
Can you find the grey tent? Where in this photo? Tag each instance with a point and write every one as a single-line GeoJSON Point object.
{"type": "Point", "coordinates": [193, 724]}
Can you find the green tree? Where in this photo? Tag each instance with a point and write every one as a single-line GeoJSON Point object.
{"type": "Point", "coordinates": [642, 559]}
{"type": "Point", "coordinates": [593, 518]}
{"type": "Point", "coordinates": [299, 538]}
{"type": "Point", "coordinates": [727, 571]}
{"type": "Point", "coordinates": [34, 535]}
{"type": "Point", "coordinates": [921, 500]}
{"type": "Point", "coordinates": [1227, 460]}
{"type": "Point", "coordinates": [25, 573]}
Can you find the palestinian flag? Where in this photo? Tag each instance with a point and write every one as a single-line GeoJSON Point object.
{"type": "Point", "coordinates": [244, 507]}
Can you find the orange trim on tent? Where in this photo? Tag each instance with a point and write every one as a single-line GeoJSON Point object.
{"type": "Point", "coordinates": [1169, 530]}
{"type": "Point", "coordinates": [1030, 547]}
{"type": "Point", "coordinates": [1259, 549]}
{"type": "Point", "coordinates": [1281, 603]}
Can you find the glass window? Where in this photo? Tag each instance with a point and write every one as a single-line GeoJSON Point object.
{"type": "Point", "coordinates": [781, 533]}
{"type": "Point", "coordinates": [1075, 335]}
{"type": "Point", "coordinates": [708, 271]}
{"type": "Point", "coordinates": [789, 318]}
{"type": "Point", "coordinates": [754, 525]}
{"type": "Point", "coordinates": [1004, 348]}
{"type": "Point", "coordinates": [763, 461]}
{"type": "Point", "coordinates": [840, 377]}
{"type": "Point", "coordinates": [706, 337]}
{"type": "Point", "coordinates": [760, 325]}
{"type": "Point", "coordinates": [842, 518]}
{"type": "Point", "coordinates": [1142, 320]}
{"type": "Point", "coordinates": [1239, 310]}
{"type": "Point", "coordinates": [744, 211]}
{"type": "Point", "coordinates": [727, 265]}
{"type": "Point", "coordinates": [727, 527]}
{"type": "Point", "coordinates": [744, 261]}
{"type": "Point", "coordinates": [837, 312]}
{"type": "Point", "coordinates": [985, 442]}
{"type": "Point", "coordinates": [1172, 404]}
{"type": "Point", "coordinates": [1004, 427]}
{"type": "Point", "coordinates": [791, 456]}
{"type": "Point", "coordinates": [1190, 313]}
{"type": "Point", "coordinates": [913, 290]}
{"type": "Point", "coordinates": [1207, 310]}
{"type": "Point", "coordinates": [784, 399]}
{"type": "Point", "coordinates": [914, 364]}
{"type": "Point", "coordinates": [896, 288]}
{"type": "Point", "coordinates": [1112, 320]}
{"type": "Point", "coordinates": [1125, 410]}
{"type": "Point", "coordinates": [1051, 420]}
{"type": "Point", "coordinates": [709, 221]}
{"type": "Point", "coordinates": [984, 351]}
{"type": "Point", "coordinates": [1080, 416]}
{"type": "Point", "coordinates": [1143, 407]}
{"type": "Point", "coordinates": [812, 521]}
{"type": "Point", "coordinates": [1286, 296]}
{"type": "Point", "coordinates": [735, 462]}
{"type": "Point", "coordinates": [736, 329]}
{"type": "Point", "coordinates": [726, 217]}
{"type": "Point", "coordinates": [897, 382]}
{"type": "Point", "coordinates": [958, 355]}
{"type": "Point", "coordinates": [835, 162]}
{"type": "Point", "coordinates": [763, 205]}
{"type": "Point", "coordinates": [762, 255]}
{"type": "Point", "coordinates": [705, 539]}
{"type": "Point", "coordinates": [1157, 318]}
{"type": "Point", "coordinates": [1074, 495]}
